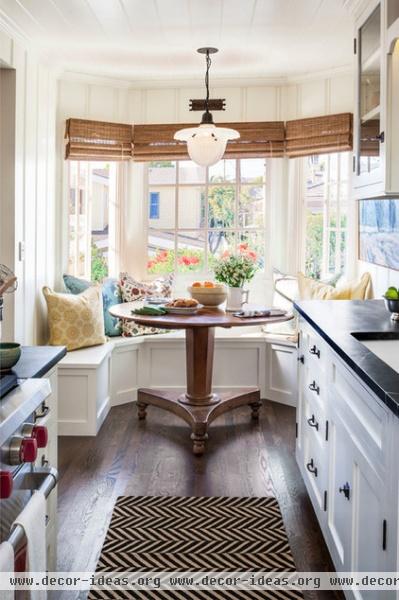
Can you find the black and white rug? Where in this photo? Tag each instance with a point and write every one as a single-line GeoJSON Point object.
{"type": "Point", "coordinates": [176, 534]}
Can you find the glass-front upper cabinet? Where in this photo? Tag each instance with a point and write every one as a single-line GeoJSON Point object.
{"type": "Point", "coordinates": [369, 95]}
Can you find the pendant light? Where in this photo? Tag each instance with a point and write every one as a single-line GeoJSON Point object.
{"type": "Point", "coordinates": [206, 143]}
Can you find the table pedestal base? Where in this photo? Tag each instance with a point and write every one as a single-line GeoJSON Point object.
{"type": "Point", "coordinates": [198, 415]}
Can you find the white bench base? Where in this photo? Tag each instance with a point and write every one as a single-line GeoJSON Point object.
{"type": "Point", "coordinates": [92, 380]}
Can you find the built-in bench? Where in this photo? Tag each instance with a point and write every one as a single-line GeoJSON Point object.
{"type": "Point", "coordinates": [92, 380]}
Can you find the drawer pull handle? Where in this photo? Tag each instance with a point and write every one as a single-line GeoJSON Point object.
{"type": "Point", "coordinates": [314, 350]}
{"type": "Point", "coordinates": [345, 490]}
{"type": "Point", "coordinates": [311, 468]}
{"type": "Point", "coordinates": [313, 423]}
{"type": "Point", "coordinates": [301, 359]}
{"type": "Point", "coordinates": [44, 411]}
{"type": "Point", "coordinates": [314, 387]}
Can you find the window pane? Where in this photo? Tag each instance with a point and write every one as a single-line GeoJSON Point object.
{"type": "Point", "coordinates": [253, 242]}
{"type": "Point", "coordinates": [224, 170]}
{"type": "Point", "coordinates": [191, 207]}
{"type": "Point", "coordinates": [162, 171]}
{"type": "Point", "coordinates": [189, 172]}
{"type": "Point", "coordinates": [190, 251]}
{"type": "Point", "coordinates": [332, 246]}
{"type": "Point", "coordinates": [100, 177]}
{"type": "Point", "coordinates": [251, 207]}
{"type": "Point", "coordinates": [166, 207]}
{"type": "Point", "coordinates": [253, 170]}
{"type": "Point", "coordinates": [160, 251]}
{"type": "Point", "coordinates": [314, 241]}
{"type": "Point", "coordinates": [221, 205]}
{"type": "Point", "coordinates": [220, 243]}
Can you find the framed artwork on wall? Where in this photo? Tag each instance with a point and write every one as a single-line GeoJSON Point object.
{"type": "Point", "coordinates": [379, 232]}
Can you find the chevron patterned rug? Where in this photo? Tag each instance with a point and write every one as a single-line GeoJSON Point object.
{"type": "Point", "coordinates": [169, 533]}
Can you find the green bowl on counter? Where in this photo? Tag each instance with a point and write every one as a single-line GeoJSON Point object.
{"type": "Point", "coordinates": [9, 355]}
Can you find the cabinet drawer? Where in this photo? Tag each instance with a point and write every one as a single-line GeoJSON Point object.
{"type": "Point", "coordinates": [315, 470]}
{"type": "Point", "coordinates": [315, 422]}
{"type": "Point", "coordinates": [314, 349]}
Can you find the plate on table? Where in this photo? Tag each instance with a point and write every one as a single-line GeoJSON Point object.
{"type": "Point", "coordinates": [182, 310]}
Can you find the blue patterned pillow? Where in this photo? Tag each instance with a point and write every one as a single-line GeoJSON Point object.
{"type": "Point", "coordinates": [111, 295]}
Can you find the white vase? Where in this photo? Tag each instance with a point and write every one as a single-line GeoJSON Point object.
{"type": "Point", "coordinates": [236, 297]}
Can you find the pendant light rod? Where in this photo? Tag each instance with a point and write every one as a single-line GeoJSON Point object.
{"type": "Point", "coordinates": [207, 116]}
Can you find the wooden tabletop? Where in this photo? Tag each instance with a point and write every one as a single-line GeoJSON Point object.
{"type": "Point", "coordinates": [206, 317]}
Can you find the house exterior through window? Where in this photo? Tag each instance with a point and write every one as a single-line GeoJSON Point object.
{"type": "Point", "coordinates": [197, 214]}
{"type": "Point", "coordinates": [326, 189]}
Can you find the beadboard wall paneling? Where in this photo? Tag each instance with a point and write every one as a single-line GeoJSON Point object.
{"type": "Point", "coordinates": [31, 214]}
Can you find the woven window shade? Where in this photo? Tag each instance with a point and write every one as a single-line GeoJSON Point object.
{"type": "Point", "coordinates": [98, 140]}
{"type": "Point", "coordinates": [156, 142]}
{"type": "Point", "coordinates": [319, 135]}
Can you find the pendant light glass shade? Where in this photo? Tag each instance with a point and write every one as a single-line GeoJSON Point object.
{"type": "Point", "coordinates": [206, 143]}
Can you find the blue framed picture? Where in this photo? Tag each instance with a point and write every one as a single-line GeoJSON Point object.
{"type": "Point", "coordinates": [379, 232]}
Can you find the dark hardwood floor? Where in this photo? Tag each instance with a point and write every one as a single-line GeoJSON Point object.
{"type": "Point", "coordinates": [153, 457]}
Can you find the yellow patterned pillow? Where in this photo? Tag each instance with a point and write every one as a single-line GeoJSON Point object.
{"type": "Point", "coordinates": [75, 320]}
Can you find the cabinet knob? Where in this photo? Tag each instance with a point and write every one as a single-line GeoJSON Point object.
{"type": "Point", "coordinates": [313, 423]}
{"type": "Point", "coordinates": [314, 350]}
{"type": "Point", "coordinates": [311, 467]}
{"type": "Point", "coordinates": [345, 490]}
{"type": "Point", "coordinates": [314, 387]}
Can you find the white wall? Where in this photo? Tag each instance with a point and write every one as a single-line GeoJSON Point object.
{"type": "Point", "coordinates": [253, 100]}
{"type": "Point", "coordinates": [29, 209]}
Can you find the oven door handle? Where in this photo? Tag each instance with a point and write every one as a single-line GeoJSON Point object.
{"type": "Point", "coordinates": [42, 480]}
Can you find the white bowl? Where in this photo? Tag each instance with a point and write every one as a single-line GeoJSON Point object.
{"type": "Point", "coordinates": [208, 296]}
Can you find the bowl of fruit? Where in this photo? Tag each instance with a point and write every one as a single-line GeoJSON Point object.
{"type": "Point", "coordinates": [208, 293]}
{"type": "Point", "coordinates": [391, 298]}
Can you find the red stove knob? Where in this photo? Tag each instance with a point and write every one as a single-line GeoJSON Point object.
{"type": "Point", "coordinates": [5, 484]}
{"type": "Point", "coordinates": [40, 434]}
{"type": "Point", "coordinates": [28, 450]}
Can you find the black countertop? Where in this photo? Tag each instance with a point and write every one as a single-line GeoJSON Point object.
{"type": "Point", "coordinates": [36, 361]}
{"type": "Point", "coordinates": [342, 324]}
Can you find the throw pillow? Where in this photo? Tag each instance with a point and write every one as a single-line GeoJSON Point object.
{"type": "Point", "coordinates": [111, 296]}
{"type": "Point", "coordinates": [133, 290]}
{"type": "Point", "coordinates": [310, 289]}
{"type": "Point", "coordinates": [75, 320]}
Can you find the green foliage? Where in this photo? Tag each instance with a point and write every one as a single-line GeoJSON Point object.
{"type": "Point", "coordinates": [99, 267]}
{"type": "Point", "coordinates": [235, 270]}
{"type": "Point", "coordinates": [314, 245]}
{"type": "Point", "coordinates": [221, 206]}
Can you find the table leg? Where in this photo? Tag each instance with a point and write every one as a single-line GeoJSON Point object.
{"type": "Point", "coordinates": [199, 406]}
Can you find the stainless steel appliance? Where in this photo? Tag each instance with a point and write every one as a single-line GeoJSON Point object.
{"type": "Point", "coordinates": [21, 435]}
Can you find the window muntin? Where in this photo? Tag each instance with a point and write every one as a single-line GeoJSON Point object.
{"type": "Point", "coordinates": [326, 197]}
{"type": "Point", "coordinates": [92, 200]}
{"type": "Point", "coordinates": [204, 212]}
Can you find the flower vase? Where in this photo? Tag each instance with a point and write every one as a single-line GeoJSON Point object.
{"type": "Point", "coordinates": [236, 297]}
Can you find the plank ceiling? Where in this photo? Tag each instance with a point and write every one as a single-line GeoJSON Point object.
{"type": "Point", "coordinates": [157, 39]}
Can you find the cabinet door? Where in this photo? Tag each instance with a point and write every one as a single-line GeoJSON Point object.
{"type": "Point", "coordinates": [372, 547]}
{"type": "Point", "coordinates": [340, 496]}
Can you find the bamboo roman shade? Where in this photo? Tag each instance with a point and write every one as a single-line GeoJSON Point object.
{"type": "Point", "coordinates": [98, 140]}
{"type": "Point", "coordinates": [258, 139]}
{"type": "Point", "coordinates": [319, 135]}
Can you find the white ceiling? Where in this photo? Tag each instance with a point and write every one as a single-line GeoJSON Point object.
{"type": "Point", "coordinates": [157, 39]}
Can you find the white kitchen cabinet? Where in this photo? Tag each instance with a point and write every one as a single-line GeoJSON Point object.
{"type": "Point", "coordinates": [375, 139]}
{"type": "Point", "coordinates": [354, 450]}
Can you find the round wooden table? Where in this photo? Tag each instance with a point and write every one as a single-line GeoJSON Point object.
{"type": "Point", "coordinates": [199, 406]}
